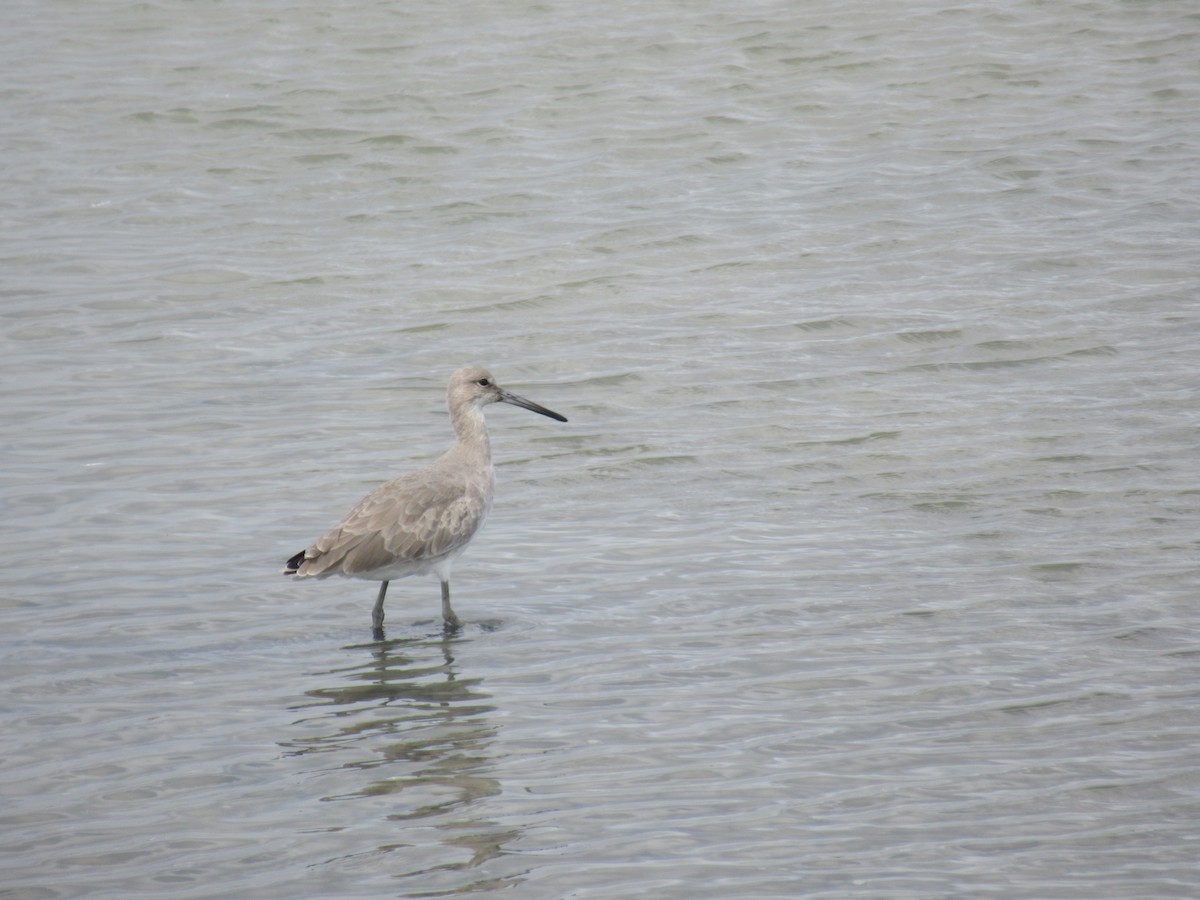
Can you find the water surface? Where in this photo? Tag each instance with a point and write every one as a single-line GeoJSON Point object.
{"type": "Point", "coordinates": [865, 566]}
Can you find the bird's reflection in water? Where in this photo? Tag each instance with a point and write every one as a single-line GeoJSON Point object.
{"type": "Point", "coordinates": [411, 731]}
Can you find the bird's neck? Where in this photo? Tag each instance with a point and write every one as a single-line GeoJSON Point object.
{"type": "Point", "coordinates": [471, 434]}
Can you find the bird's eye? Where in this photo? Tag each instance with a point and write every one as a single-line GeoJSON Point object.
{"type": "Point", "coordinates": [483, 382]}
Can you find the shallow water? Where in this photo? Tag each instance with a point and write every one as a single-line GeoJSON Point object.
{"type": "Point", "coordinates": [866, 565]}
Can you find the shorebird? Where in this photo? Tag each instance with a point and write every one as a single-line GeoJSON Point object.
{"type": "Point", "coordinates": [421, 523]}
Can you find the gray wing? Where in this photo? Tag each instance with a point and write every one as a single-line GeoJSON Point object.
{"type": "Point", "coordinates": [408, 519]}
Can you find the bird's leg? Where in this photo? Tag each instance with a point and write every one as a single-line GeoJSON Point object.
{"type": "Point", "coordinates": [452, 621]}
{"type": "Point", "coordinates": [377, 612]}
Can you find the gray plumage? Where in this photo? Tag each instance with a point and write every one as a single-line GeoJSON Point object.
{"type": "Point", "coordinates": [421, 522]}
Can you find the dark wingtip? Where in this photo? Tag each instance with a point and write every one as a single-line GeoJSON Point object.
{"type": "Point", "coordinates": [293, 564]}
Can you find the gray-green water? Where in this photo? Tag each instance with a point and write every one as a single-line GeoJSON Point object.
{"type": "Point", "coordinates": [865, 567]}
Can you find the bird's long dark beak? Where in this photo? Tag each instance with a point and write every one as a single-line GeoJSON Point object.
{"type": "Point", "coordinates": [506, 397]}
